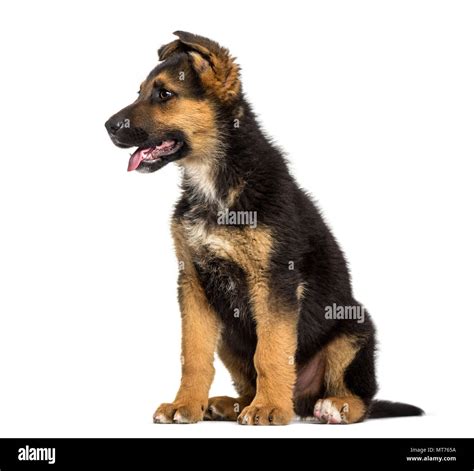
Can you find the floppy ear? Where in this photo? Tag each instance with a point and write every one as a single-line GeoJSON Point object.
{"type": "Point", "coordinates": [213, 63]}
{"type": "Point", "coordinates": [165, 51]}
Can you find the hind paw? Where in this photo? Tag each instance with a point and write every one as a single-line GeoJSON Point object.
{"type": "Point", "coordinates": [331, 411]}
{"type": "Point", "coordinates": [222, 408]}
{"type": "Point", "coordinates": [340, 410]}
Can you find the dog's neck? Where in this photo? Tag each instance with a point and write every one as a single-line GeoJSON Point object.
{"type": "Point", "coordinates": [199, 181]}
{"type": "Point", "coordinates": [226, 178]}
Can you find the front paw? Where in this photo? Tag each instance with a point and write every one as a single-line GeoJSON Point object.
{"type": "Point", "coordinates": [180, 412]}
{"type": "Point", "coordinates": [265, 414]}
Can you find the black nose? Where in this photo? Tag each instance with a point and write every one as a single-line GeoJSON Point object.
{"type": "Point", "coordinates": [112, 126]}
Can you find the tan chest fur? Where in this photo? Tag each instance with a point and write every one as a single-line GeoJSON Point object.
{"type": "Point", "coordinates": [249, 248]}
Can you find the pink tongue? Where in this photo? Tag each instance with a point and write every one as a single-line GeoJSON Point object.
{"type": "Point", "coordinates": [136, 158]}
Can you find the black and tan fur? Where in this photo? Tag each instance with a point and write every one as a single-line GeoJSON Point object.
{"type": "Point", "coordinates": [255, 295]}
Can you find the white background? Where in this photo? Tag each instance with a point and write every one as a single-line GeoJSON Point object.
{"type": "Point", "coordinates": [373, 102]}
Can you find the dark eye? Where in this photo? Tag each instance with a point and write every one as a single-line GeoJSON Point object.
{"type": "Point", "coordinates": [163, 94]}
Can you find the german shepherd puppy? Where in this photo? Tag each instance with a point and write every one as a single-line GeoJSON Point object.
{"type": "Point", "coordinates": [262, 279]}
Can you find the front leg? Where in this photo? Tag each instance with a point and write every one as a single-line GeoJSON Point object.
{"type": "Point", "coordinates": [200, 329]}
{"type": "Point", "coordinates": [275, 363]}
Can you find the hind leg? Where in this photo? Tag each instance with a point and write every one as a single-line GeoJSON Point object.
{"type": "Point", "coordinates": [338, 384]}
{"type": "Point", "coordinates": [244, 377]}
{"type": "Point", "coordinates": [349, 380]}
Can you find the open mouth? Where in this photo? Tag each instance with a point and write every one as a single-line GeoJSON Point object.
{"type": "Point", "coordinates": [155, 154]}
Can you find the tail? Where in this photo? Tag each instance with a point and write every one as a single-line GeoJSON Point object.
{"type": "Point", "coordinates": [382, 409]}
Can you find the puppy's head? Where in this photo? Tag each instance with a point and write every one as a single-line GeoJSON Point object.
{"type": "Point", "coordinates": [177, 110]}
